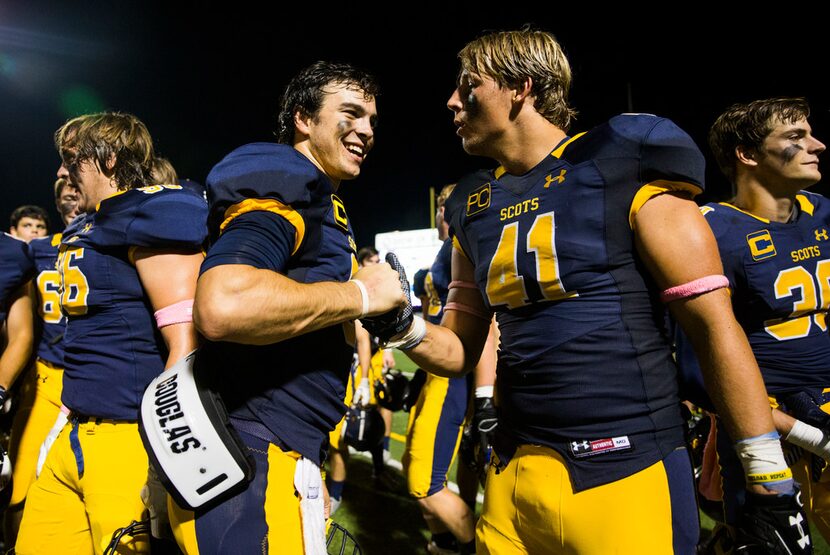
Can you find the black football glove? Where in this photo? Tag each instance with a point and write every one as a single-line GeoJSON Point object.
{"type": "Point", "coordinates": [5, 404]}
{"type": "Point", "coordinates": [773, 524]}
{"type": "Point", "coordinates": [389, 324]}
{"type": "Point", "coordinates": [805, 405]}
{"type": "Point", "coordinates": [413, 390]}
{"type": "Point", "coordinates": [470, 453]}
{"type": "Point", "coordinates": [485, 422]}
{"type": "Point", "coordinates": [466, 448]}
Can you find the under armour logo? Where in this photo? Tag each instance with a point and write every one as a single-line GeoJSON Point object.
{"type": "Point", "coordinates": [559, 178]}
{"type": "Point", "coordinates": [804, 539]}
{"type": "Point", "coordinates": [821, 234]}
{"type": "Point", "coordinates": [579, 445]}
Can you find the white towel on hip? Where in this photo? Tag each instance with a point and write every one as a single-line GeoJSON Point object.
{"type": "Point", "coordinates": [309, 484]}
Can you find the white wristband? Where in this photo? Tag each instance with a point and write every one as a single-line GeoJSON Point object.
{"type": "Point", "coordinates": [364, 295]}
{"type": "Point", "coordinates": [411, 337]}
{"type": "Point", "coordinates": [763, 459]}
{"type": "Point", "coordinates": [484, 391]}
{"type": "Point", "coordinates": [810, 438]}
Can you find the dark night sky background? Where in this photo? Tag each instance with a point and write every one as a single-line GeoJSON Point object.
{"type": "Point", "coordinates": [207, 79]}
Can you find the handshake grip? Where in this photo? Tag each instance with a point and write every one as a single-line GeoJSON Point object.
{"type": "Point", "coordinates": [389, 324]}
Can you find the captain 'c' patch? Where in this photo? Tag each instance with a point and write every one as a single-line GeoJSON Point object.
{"type": "Point", "coordinates": [340, 212]}
{"type": "Point", "coordinates": [761, 245]}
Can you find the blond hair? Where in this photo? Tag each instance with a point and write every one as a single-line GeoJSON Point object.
{"type": "Point", "coordinates": [118, 143]}
{"type": "Point", "coordinates": [444, 195]}
{"type": "Point", "coordinates": [510, 57]}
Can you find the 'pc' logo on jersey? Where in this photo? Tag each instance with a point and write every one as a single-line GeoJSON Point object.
{"type": "Point", "coordinates": [761, 245]}
{"type": "Point", "coordinates": [478, 200]}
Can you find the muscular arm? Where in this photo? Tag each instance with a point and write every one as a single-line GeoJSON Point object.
{"type": "Point", "coordinates": [243, 304]}
{"type": "Point", "coordinates": [677, 246]}
{"type": "Point", "coordinates": [20, 327]}
{"type": "Point", "coordinates": [454, 347]}
{"type": "Point", "coordinates": [168, 278]}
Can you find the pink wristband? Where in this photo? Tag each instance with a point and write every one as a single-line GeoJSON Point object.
{"type": "Point", "coordinates": [462, 285]}
{"type": "Point", "coordinates": [176, 313]}
{"type": "Point", "coordinates": [468, 310]}
{"type": "Point", "coordinates": [695, 287]}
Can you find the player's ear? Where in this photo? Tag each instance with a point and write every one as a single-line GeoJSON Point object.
{"type": "Point", "coordinates": [746, 155]}
{"type": "Point", "coordinates": [522, 91]}
{"type": "Point", "coordinates": [108, 167]}
{"type": "Point", "coordinates": [302, 122]}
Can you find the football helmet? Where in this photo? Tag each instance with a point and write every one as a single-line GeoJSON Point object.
{"type": "Point", "coordinates": [339, 541]}
{"type": "Point", "coordinates": [5, 469]}
{"type": "Point", "coordinates": [135, 528]}
{"type": "Point", "coordinates": [363, 428]}
{"type": "Point", "coordinates": [391, 391]}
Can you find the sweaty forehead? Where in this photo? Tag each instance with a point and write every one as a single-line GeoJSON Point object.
{"type": "Point", "coordinates": [339, 92]}
{"type": "Point", "coordinates": [779, 126]}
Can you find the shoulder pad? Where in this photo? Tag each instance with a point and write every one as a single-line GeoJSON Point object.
{"type": "Point", "coordinates": [812, 203]}
{"type": "Point", "coordinates": [721, 219]}
{"type": "Point", "coordinates": [164, 216]}
{"type": "Point", "coordinates": [263, 171]}
{"type": "Point", "coordinates": [16, 266]}
{"type": "Point", "coordinates": [667, 153]}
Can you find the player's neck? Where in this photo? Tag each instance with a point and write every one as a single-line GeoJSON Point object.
{"type": "Point", "coordinates": [775, 206]}
{"type": "Point", "coordinates": [529, 144]}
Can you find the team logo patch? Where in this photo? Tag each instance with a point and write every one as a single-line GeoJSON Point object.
{"type": "Point", "coordinates": [760, 245]}
{"type": "Point", "coordinates": [340, 212]}
{"type": "Point", "coordinates": [592, 447]}
{"type": "Point", "coordinates": [478, 200]}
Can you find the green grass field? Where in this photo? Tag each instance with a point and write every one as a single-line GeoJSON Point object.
{"type": "Point", "coordinates": [389, 522]}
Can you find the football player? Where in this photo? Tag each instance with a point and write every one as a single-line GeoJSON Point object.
{"type": "Point", "coordinates": [163, 172]}
{"type": "Point", "coordinates": [276, 303]}
{"type": "Point", "coordinates": [128, 268]}
{"type": "Point", "coordinates": [772, 238]}
{"type": "Point", "coordinates": [437, 419]}
{"type": "Point", "coordinates": [16, 326]}
{"type": "Point", "coordinates": [572, 241]}
{"type": "Point", "coordinates": [29, 222]}
{"type": "Point", "coordinates": [40, 398]}
{"type": "Point", "coordinates": [16, 270]}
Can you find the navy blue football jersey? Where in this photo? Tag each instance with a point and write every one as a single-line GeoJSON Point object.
{"type": "Point", "coordinates": [418, 282]}
{"type": "Point", "coordinates": [16, 268]}
{"type": "Point", "coordinates": [585, 365]}
{"type": "Point", "coordinates": [272, 209]}
{"type": "Point", "coordinates": [112, 347]}
{"type": "Point", "coordinates": [437, 283]}
{"type": "Point", "coordinates": [44, 254]}
{"type": "Point", "coordinates": [779, 274]}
